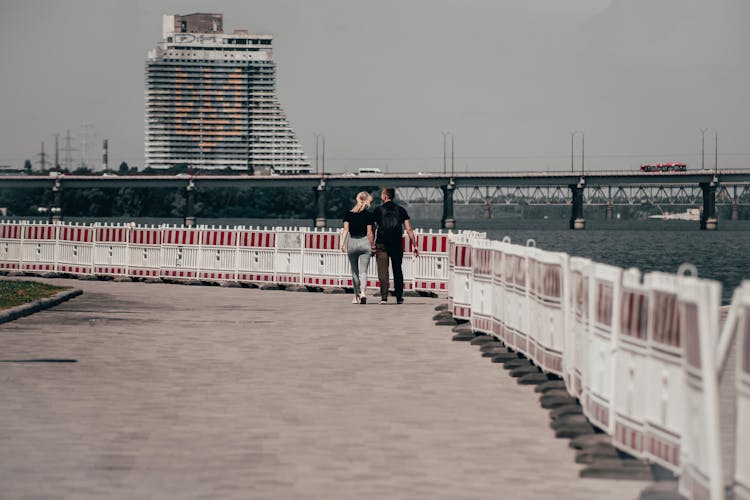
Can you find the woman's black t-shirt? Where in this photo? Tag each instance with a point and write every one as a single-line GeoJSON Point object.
{"type": "Point", "coordinates": [358, 222]}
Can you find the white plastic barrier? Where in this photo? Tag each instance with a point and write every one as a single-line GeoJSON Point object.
{"type": "Point", "coordinates": [734, 362]}
{"type": "Point", "coordinates": [323, 261]}
{"type": "Point", "coordinates": [217, 254]}
{"type": "Point", "coordinates": [144, 253]}
{"type": "Point", "coordinates": [289, 254]}
{"type": "Point", "coordinates": [498, 290]}
{"type": "Point", "coordinates": [702, 475]}
{"type": "Point", "coordinates": [547, 308]}
{"type": "Point", "coordinates": [665, 399]}
{"type": "Point", "coordinates": [75, 249]}
{"type": "Point", "coordinates": [461, 278]}
{"type": "Point", "coordinates": [631, 381]}
{"type": "Point", "coordinates": [179, 252]}
{"type": "Point", "coordinates": [39, 249]}
{"type": "Point", "coordinates": [430, 269]}
{"type": "Point", "coordinates": [516, 322]}
{"type": "Point", "coordinates": [255, 255]}
{"type": "Point", "coordinates": [11, 244]}
{"type": "Point", "coordinates": [482, 286]}
{"type": "Point", "coordinates": [111, 247]}
{"type": "Point", "coordinates": [579, 322]}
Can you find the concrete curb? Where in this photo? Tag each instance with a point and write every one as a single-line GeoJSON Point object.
{"type": "Point", "coordinates": [14, 313]}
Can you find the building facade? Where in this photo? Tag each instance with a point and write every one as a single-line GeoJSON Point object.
{"type": "Point", "coordinates": [211, 101]}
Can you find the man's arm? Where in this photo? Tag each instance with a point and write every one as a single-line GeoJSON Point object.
{"type": "Point", "coordinates": [410, 232]}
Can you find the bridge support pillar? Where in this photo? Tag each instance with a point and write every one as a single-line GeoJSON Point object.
{"type": "Point", "coordinates": [735, 211]}
{"type": "Point", "coordinates": [487, 209]}
{"type": "Point", "coordinates": [448, 221]}
{"type": "Point", "coordinates": [610, 210]}
{"type": "Point", "coordinates": [190, 205]}
{"type": "Point", "coordinates": [576, 219]}
{"type": "Point", "coordinates": [320, 204]}
{"type": "Point", "coordinates": [56, 214]}
{"type": "Point", "coordinates": [709, 221]}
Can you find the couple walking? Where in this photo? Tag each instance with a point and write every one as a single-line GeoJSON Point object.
{"type": "Point", "coordinates": [378, 232]}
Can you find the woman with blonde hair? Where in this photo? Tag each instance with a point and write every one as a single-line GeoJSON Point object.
{"type": "Point", "coordinates": [357, 241]}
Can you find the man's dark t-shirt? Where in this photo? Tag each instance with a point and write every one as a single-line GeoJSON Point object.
{"type": "Point", "coordinates": [391, 241]}
{"type": "Point", "coordinates": [358, 222]}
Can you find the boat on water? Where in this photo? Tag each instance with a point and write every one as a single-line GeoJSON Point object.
{"type": "Point", "coordinates": [692, 214]}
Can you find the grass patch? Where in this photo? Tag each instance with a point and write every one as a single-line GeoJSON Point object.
{"type": "Point", "coordinates": [14, 293]}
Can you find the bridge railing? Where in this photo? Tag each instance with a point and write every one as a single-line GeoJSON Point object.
{"type": "Point", "coordinates": [277, 255]}
{"type": "Point", "coordinates": [645, 354]}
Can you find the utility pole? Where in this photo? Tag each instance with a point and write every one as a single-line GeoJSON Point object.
{"type": "Point", "coordinates": [703, 148]}
{"type": "Point", "coordinates": [583, 136]}
{"type": "Point", "coordinates": [56, 166]}
{"type": "Point", "coordinates": [716, 152]}
{"type": "Point", "coordinates": [452, 155]}
{"type": "Point", "coordinates": [105, 156]}
{"type": "Point", "coordinates": [68, 149]}
{"type": "Point", "coordinates": [43, 158]}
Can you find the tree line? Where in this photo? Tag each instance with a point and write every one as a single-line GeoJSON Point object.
{"type": "Point", "coordinates": [254, 203]}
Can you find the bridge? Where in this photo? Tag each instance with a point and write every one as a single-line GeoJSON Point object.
{"type": "Point", "coordinates": [602, 188]}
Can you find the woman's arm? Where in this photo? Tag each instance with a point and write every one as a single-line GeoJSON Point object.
{"type": "Point", "coordinates": [344, 236]}
{"type": "Point", "coordinates": [371, 235]}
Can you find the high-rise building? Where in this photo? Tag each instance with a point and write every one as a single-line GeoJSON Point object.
{"type": "Point", "coordinates": [211, 101]}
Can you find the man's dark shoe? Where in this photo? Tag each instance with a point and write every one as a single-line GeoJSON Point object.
{"type": "Point", "coordinates": [399, 301]}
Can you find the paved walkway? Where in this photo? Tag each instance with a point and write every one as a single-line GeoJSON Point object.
{"type": "Point", "coordinates": [208, 392]}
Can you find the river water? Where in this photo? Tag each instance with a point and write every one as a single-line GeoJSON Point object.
{"type": "Point", "coordinates": [650, 245]}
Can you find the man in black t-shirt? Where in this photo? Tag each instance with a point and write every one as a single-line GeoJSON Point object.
{"type": "Point", "coordinates": [390, 220]}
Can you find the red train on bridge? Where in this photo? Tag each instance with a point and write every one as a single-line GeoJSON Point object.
{"type": "Point", "coordinates": [663, 167]}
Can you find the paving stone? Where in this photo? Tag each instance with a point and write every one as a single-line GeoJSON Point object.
{"type": "Point", "coordinates": [564, 420]}
{"type": "Point", "coordinates": [594, 453]}
{"type": "Point", "coordinates": [520, 371]}
{"type": "Point", "coordinates": [482, 339]}
{"type": "Point", "coordinates": [510, 364]}
{"type": "Point", "coordinates": [532, 379]}
{"type": "Point", "coordinates": [490, 346]}
{"type": "Point", "coordinates": [507, 357]}
{"type": "Point", "coordinates": [582, 442]}
{"type": "Point", "coordinates": [269, 286]}
{"type": "Point", "coordinates": [661, 490]}
{"type": "Point", "coordinates": [574, 409]}
{"type": "Point", "coordinates": [445, 322]}
{"type": "Point", "coordinates": [550, 401]}
{"type": "Point", "coordinates": [574, 430]}
{"type": "Point", "coordinates": [616, 468]}
{"type": "Point", "coordinates": [491, 352]}
{"type": "Point", "coordinates": [548, 386]}
{"type": "Point", "coordinates": [463, 337]}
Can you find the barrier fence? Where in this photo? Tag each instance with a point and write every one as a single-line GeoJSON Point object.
{"type": "Point", "coordinates": [647, 356]}
{"type": "Point", "coordinates": [280, 255]}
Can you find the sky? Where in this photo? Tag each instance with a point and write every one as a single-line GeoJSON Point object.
{"type": "Point", "coordinates": [382, 81]}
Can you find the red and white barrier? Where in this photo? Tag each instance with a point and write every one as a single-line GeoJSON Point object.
{"type": "Point", "coordinates": [631, 380]}
{"type": "Point", "coordinates": [547, 314]}
{"type": "Point", "coordinates": [324, 263]}
{"type": "Point", "coordinates": [144, 254]}
{"type": "Point", "coordinates": [39, 250]}
{"type": "Point", "coordinates": [111, 247]}
{"type": "Point", "coordinates": [255, 255]}
{"type": "Point", "coordinates": [575, 359]}
{"type": "Point", "coordinates": [75, 249]}
{"type": "Point", "coordinates": [11, 246]}
{"type": "Point", "coordinates": [217, 254]}
{"type": "Point", "coordinates": [430, 272]}
{"type": "Point", "coordinates": [482, 286]}
{"type": "Point", "coordinates": [460, 295]}
{"type": "Point", "coordinates": [516, 318]}
{"type": "Point", "coordinates": [290, 249]}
